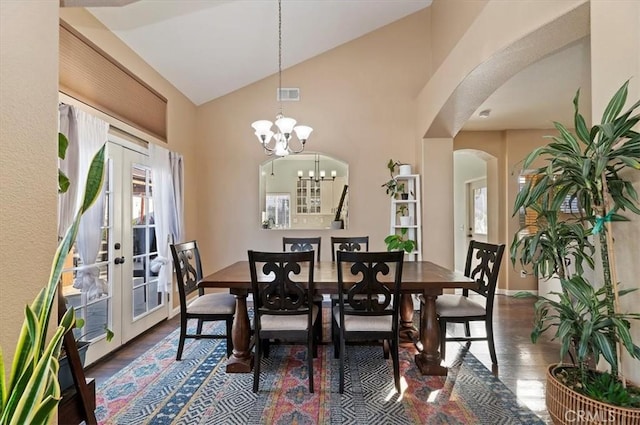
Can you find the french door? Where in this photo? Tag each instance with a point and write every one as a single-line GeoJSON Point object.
{"type": "Point", "coordinates": [477, 220]}
{"type": "Point", "coordinates": [128, 300]}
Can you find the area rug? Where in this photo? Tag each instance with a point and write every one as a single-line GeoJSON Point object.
{"type": "Point", "coordinates": [157, 389]}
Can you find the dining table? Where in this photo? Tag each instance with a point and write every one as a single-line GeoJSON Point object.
{"type": "Point", "coordinates": [418, 277]}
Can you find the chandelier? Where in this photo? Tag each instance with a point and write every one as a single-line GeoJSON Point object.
{"type": "Point", "coordinates": [285, 126]}
{"type": "Point", "coordinates": [317, 174]}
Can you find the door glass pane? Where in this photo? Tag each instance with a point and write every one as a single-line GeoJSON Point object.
{"type": "Point", "coordinates": [145, 266]}
{"type": "Point", "coordinates": [480, 210]}
{"type": "Point", "coordinates": [92, 303]}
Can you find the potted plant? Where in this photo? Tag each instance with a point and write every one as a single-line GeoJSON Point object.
{"type": "Point", "coordinates": [392, 186]}
{"type": "Point", "coordinates": [32, 391]}
{"type": "Point", "coordinates": [403, 212]}
{"type": "Point", "coordinates": [584, 167]}
{"type": "Point", "coordinates": [400, 242]}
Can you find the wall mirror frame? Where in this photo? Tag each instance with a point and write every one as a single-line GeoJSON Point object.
{"type": "Point", "coordinates": [304, 191]}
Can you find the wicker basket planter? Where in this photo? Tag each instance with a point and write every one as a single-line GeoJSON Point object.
{"type": "Point", "coordinates": [566, 406]}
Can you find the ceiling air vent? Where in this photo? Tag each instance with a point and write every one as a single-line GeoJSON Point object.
{"type": "Point", "coordinates": [288, 94]}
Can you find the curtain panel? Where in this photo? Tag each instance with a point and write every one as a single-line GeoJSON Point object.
{"type": "Point", "coordinates": [167, 200]}
{"type": "Point", "coordinates": [86, 134]}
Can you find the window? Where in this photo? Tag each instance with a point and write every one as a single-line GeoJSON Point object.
{"type": "Point", "coordinates": [528, 217]}
{"type": "Point", "coordinates": [279, 210]}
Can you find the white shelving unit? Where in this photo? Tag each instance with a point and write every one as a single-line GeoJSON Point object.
{"type": "Point", "coordinates": [413, 205]}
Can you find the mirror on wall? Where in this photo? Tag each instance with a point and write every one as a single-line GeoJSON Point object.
{"type": "Point", "coordinates": [304, 191]}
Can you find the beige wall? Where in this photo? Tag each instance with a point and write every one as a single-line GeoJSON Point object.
{"type": "Point", "coordinates": [28, 152]}
{"type": "Point", "coordinates": [181, 112]}
{"type": "Point", "coordinates": [611, 65]}
{"type": "Point", "coordinates": [450, 20]}
{"type": "Point", "coordinates": [358, 97]}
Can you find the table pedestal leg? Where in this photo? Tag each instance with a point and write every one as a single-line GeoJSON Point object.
{"type": "Point", "coordinates": [428, 361]}
{"type": "Point", "coordinates": [407, 330]}
{"type": "Point", "coordinates": [241, 361]}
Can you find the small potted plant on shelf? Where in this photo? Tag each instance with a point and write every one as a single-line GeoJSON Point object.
{"type": "Point", "coordinates": [586, 167]}
{"type": "Point", "coordinates": [403, 212]}
{"type": "Point", "coordinates": [400, 242]}
{"type": "Point", "coordinates": [392, 186]}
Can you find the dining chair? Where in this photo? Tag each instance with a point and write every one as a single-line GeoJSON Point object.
{"type": "Point", "coordinates": [347, 243]}
{"type": "Point", "coordinates": [374, 317]}
{"type": "Point", "coordinates": [298, 244]}
{"type": "Point", "coordinates": [483, 266]}
{"type": "Point", "coordinates": [282, 287]}
{"type": "Point", "coordinates": [295, 244]}
{"type": "Point", "coordinates": [204, 307]}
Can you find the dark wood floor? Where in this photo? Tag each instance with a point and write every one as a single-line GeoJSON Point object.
{"type": "Point", "coordinates": [522, 365]}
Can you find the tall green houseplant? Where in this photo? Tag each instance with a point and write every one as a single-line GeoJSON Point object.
{"type": "Point", "coordinates": [32, 392]}
{"type": "Point", "coordinates": [584, 167]}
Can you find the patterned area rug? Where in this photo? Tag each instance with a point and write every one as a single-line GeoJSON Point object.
{"type": "Point", "coordinates": [156, 389]}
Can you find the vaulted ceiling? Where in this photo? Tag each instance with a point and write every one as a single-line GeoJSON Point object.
{"type": "Point", "coordinates": [208, 48]}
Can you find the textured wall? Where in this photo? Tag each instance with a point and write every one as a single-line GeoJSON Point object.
{"type": "Point", "coordinates": [615, 59]}
{"type": "Point", "coordinates": [28, 157]}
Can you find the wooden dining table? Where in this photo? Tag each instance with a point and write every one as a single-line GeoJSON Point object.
{"type": "Point", "coordinates": [418, 277]}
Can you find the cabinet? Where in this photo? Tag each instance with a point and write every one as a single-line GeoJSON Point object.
{"type": "Point", "coordinates": [308, 197]}
{"type": "Point", "coordinates": [319, 197]}
{"type": "Point", "coordinates": [411, 211]}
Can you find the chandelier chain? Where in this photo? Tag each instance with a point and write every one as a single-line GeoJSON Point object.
{"type": "Point", "coordinates": [280, 54]}
{"type": "Point", "coordinates": [277, 143]}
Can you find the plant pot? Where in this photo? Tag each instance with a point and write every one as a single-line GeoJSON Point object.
{"type": "Point", "coordinates": [404, 170]}
{"type": "Point", "coordinates": [567, 406]}
{"type": "Point", "coordinates": [404, 196]}
{"type": "Point", "coordinates": [337, 224]}
{"type": "Point", "coordinates": [405, 220]}
{"type": "Point", "coordinates": [64, 373]}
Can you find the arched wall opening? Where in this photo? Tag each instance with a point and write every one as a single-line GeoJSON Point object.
{"type": "Point", "coordinates": [473, 168]}
{"type": "Point", "coordinates": [513, 35]}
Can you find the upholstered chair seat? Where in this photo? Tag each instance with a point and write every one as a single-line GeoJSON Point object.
{"type": "Point", "coordinates": [213, 304]}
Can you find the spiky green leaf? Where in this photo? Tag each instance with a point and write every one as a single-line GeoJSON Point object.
{"type": "Point", "coordinates": [616, 104]}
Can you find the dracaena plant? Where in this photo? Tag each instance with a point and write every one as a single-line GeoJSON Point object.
{"type": "Point", "coordinates": [585, 167]}
{"type": "Point", "coordinates": [31, 393]}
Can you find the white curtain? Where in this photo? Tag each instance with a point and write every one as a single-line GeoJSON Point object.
{"type": "Point", "coordinates": [92, 134]}
{"type": "Point", "coordinates": [167, 201]}
{"type": "Point", "coordinates": [67, 202]}
{"type": "Point", "coordinates": [177, 175]}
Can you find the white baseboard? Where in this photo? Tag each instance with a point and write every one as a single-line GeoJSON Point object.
{"type": "Point", "coordinates": [174, 312]}
{"type": "Point", "coordinates": [512, 292]}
